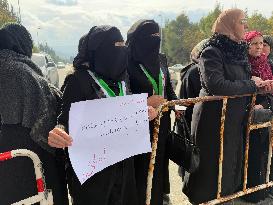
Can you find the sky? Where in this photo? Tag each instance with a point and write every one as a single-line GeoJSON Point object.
{"type": "Point", "coordinates": [61, 23]}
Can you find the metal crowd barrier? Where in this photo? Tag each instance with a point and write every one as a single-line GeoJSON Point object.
{"type": "Point", "coordinates": [250, 127]}
{"type": "Point", "coordinates": [44, 195]}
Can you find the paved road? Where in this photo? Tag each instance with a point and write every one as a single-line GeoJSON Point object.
{"type": "Point", "coordinates": [62, 74]}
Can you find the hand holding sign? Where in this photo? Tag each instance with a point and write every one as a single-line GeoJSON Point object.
{"type": "Point", "coordinates": [107, 131]}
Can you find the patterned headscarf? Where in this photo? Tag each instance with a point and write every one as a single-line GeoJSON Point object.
{"type": "Point", "coordinates": [251, 34]}
{"type": "Point", "coordinates": [260, 66]}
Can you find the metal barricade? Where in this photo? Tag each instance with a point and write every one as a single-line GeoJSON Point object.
{"type": "Point", "coordinates": [44, 195]}
{"type": "Point", "coordinates": [250, 127]}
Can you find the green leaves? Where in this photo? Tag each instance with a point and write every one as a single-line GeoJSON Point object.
{"type": "Point", "coordinates": [7, 13]}
{"type": "Point", "coordinates": [260, 23]}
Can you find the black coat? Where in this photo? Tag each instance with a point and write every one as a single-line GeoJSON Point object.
{"type": "Point", "coordinates": [115, 185]}
{"type": "Point", "coordinates": [219, 76]}
{"type": "Point", "coordinates": [140, 84]}
{"type": "Point", "coordinates": [28, 106]}
{"type": "Point", "coordinates": [258, 154]}
{"type": "Point", "coordinates": [190, 87]}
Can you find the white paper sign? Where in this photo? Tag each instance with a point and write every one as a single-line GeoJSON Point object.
{"type": "Point", "coordinates": [107, 131]}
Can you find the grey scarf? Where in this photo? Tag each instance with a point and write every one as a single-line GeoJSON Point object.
{"type": "Point", "coordinates": [26, 98]}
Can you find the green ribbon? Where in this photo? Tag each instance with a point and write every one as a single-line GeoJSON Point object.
{"type": "Point", "coordinates": [110, 92]}
{"type": "Point", "coordinates": [157, 88]}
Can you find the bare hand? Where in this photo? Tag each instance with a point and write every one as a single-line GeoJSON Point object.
{"type": "Point", "coordinates": [257, 107]}
{"type": "Point", "coordinates": [152, 113]}
{"type": "Point", "coordinates": [267, 85]}
{"type": "Point", "coordinates": [58, 138]}
{"type": "Point", "coordinates": [155, 101]}
{"type": "Point", "coordinates": [258, 81]}
{"type": "Point", "coordinates": [178, 113]}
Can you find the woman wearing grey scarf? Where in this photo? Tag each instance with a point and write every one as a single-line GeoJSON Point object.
{"type": "Point", "coordinates": [28, 110]}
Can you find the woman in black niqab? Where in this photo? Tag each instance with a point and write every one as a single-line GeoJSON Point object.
{"type": "Point", "coordinates": [101, 43]}
{"type": "Point", "coordinates": [100, 71]}
{"type": "Point", "coordinates": [143, 40]}
{"type": "Point", "coordinates": [148, 73]}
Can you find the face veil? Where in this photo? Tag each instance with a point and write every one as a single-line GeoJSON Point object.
{"type": "Point", "coordinates": [98, 50]}
{"type": "Point", "coordinates": [143, 41]}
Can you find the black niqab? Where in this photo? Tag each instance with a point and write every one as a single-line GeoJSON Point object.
{"type": "Point", "coordinates": [98, 52]}
{"type": "Point", "coordinates": [80, 61]}
{"type": "Point", "coordinates": [15, 37]}
{"type": "Point", "coordinates": [144, 47]}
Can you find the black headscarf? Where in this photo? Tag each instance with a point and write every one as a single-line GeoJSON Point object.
{"type": "Point", "coordinates": [143, 47]}
{"type": "Point", "coordinates": [97, 52]}
{"type": "Point", "coordinates": [80, 61]}
{"type": "Point", "coordinates": [269, 40]}
{"type": "Point", "coordinates": [15, 37]}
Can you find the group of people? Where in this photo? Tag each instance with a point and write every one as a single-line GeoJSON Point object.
{"type": "Point", "coordinates": [231, 62]}
{"type": "Point", "coordinates": [34, 114]}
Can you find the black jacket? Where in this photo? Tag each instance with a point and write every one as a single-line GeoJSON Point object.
{"type": "Point", "coordinates": [219, 76]}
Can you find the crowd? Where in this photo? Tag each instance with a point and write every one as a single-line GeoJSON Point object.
{"type": "Point", "coordinates": [34, 114]}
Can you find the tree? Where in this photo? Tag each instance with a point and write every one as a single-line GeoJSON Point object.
{"type": "Point", "coordinates": [270, 22]}
{"type": "Point", "coordinates": [173, 39]}
{"type": "Point", "coordinates": [35, 49]}
{"type": "Point", "coordinates": [207, 22]}
{"type": "Point", "coordinates": [7, 13]}
{"type": "Point", "coordinates": [45, 48]}
{"type": "Point", "coordinates": [259, 23]}
{"type": "Point", "coordinates": [192, 36]}
{"type": "Point", "coordinates": [180, 35]}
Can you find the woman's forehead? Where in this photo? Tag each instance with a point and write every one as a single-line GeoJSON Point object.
{"type": "Point", "coordinates": [257, 39]}
{"type": "Point", "coordinates": [149, 28]}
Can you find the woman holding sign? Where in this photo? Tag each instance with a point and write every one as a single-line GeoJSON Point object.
{"type": "Point", "coordinates": [100, 72]}
{"type": "Point", "coordinates": [100, 69]}
{"type": "Point", "coordinates": [148, 73]}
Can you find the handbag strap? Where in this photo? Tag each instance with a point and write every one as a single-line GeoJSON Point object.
{"type": "Point", "coordinates": [174, 124]}
{"type": "Point", "coordinates": [185, 126]}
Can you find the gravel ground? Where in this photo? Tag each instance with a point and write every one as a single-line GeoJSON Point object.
{"type": "Point", "coordinates": [177, 197]}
